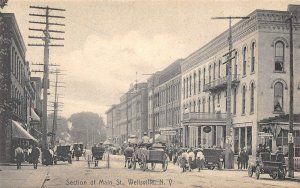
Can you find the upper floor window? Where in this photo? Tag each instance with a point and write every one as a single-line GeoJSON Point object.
{"type": "Point", "coordinates": [244, 99]}
{"type": "Point", "coordinates": [219, 69]}
{"type": "Point", "coordinates": [199, 103]}
{"type": "Point", "coordinates": [252, 97]}
{"type": "Point", "coordinates": [199, 81]}
{"type": "Point", "coordinates": [234, 101]}
{"type": "Point", "coordinates": [203, 77]}
{"type": "Point", "coordinates": [244, 60]}
{"type": "Point", "coordinates": [195, 89]}
{"type": "Point", "coordinates": [190, 85]}
{"type": "Point", "coordinates": [278, 97]}
{"type": "Point", "coordinates": [209, 74]}
{"type": "Point", "coordinates": [279, 56]}
{"type": "Point", "coordinates": [252, 56]}
{"type": "Point", "coordinates": [203, 104]}
{"type": "Point", "coordinates": [214, 75]}
{"type": "Point", "coordinates": [184, 88]}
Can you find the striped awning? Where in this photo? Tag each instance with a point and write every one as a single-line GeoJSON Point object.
{"type": "Point", "coordinates": [19, 132]}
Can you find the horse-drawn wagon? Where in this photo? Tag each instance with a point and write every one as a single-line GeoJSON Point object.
{"type": "Point", "coordinates": [267, 163]}
{"type": "Point", "coordinates": [155, 154]}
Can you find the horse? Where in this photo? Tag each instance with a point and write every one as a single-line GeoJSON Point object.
{"type": "Point", "coordinates": [128, 153]}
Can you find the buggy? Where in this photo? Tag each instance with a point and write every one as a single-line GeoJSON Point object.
{"type": "Point", "coordinates": [213, 158]}
{"type": "Point", "coordinates": [63, 153]}
{"type": "Point", "coordinates": [78, 150]}
{"type": "Point", "coordinates": [97, 155]}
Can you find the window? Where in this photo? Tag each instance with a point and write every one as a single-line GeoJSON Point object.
{"type": "Point", "coordinates": [214, 75]}
{"type": "Point", "coordinates": [190, 85]}
{"type": "Point", "coordinates": [195, 75]}
{"type": "Point", "coordinates": [209, 74]}
{"type": "Point", "coordinates": [279, 56]}
{"type": "Point", "coordinates": [243, 99]}
{"type": "Point", "coordinates": [219, 69]}
{"type": "Point", "coordinates": [203, 77]}
{"type": "Point", "coordinates": [184, 88]}
{"type": "Point", "coordinates": [234, 101]}
{"type": "Point", "coordinates": [244, 60]}
{"type": "Point", "coordinates": [203, 104]}
{"type": "Point", "coordinates": [199, 102]}
{"type": "Point", "coordinates": [187, 87]}
{"type": "Point", "coordinates": [252, 56]}
{"type": "Point", "coordinates": [252, 97]}
{"type": "Point", "coordinates": [199, 81]}
{"type": "Point", "coordinates": [235, 65]}
{"type": "Point", "coordinates": [209, 104]}
{"type": "Point", "coordinates": [194, 106]}
{"type": "Point", "coordinates": [278, 97]}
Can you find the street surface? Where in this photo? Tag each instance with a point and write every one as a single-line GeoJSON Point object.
{"type": "Point", "coordinates": [79, 175]}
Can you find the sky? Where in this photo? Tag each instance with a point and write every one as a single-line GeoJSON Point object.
{"type": "Point", "coordinates": [110, 44]}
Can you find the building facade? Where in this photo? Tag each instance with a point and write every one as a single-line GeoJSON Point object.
{"type": "Point", "coordinates": [260, 77]}
{"type": "Point", "coordinates": [17, 93]}
{"type": "Point", "coordinates": [166, 105]}
{"type": "Point", "coordinates": [129, 117]}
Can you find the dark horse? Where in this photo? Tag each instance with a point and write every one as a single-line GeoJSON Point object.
{"type": "Point", "coordinates": [128, 153]}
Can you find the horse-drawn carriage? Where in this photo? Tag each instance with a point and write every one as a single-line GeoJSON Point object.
{"type": "Point", "coordinates": [63, 153]}
{"type": "Point", "coordinates": [77, 150]}
{"type": "Point", "coordinates": [145, 154]}
{"type": "Point", "coordinates": [97, 155]}
{"type": "Point", "coordinates": [267, 163]}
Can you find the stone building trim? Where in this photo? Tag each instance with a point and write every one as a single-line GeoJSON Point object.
{"type": "Point", "coordinates": [281, 81]}
{"type": "Point", "coordinates": [284, 40]}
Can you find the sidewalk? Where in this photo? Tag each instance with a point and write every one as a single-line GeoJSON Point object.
{"type": "Point", "coordinates": [27, 177]}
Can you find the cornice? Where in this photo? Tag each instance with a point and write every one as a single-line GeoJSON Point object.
{"type": "Point", "coordinates": [260, 20]}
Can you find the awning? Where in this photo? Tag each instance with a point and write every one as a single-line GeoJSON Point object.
{"type": "Point", "coordinates": [19, 132]}
{"type": "Point", "coordinates": [34, 116]}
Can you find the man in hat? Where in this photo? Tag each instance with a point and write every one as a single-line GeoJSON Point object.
{"type": "Point", "coordinates": [35, 156]}
{"type": "Point", "coordinates": [19, 155]}
{"type": "Point", "coordinates": [145, 138]}
{"type": "Point", "coordinates": [200, 159]}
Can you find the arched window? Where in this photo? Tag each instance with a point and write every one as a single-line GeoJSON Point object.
{"type": "Point", "coordinates": [278, 97]}
{"type": "Point", "coordinates": [252, 56]}
{"type": "Point", "coordinates": [214, 76]}
{"type": "Point", "coordinates": [203, 78]}
{"type": "Point", "coordinates": [190, 85]}
{"type": "Point", "coordinates": [243, 99]}
{"type": "Point", "coordinates": [279, 56]}
{"type": "Point", "coordinates": [252, 97]}
{"type": "Point", "coordinates": [199, 103]}
{"type": "Point", "coordinates": [244, 60]}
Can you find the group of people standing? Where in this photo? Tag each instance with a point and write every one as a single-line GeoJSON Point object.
{"type": "Point", "coordinates": [33, 153]}
{"type": "Point", "coordinates": [243, 158]}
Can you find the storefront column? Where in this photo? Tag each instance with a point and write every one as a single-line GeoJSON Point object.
{"type": "Point", "coordinates": [239, 139]}
{"type": "Point", "coordinates": [246, 139]}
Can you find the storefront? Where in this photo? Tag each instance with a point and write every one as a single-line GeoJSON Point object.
{"type": "Point", "coordinates": [242, 137]}
{"type": "Point", "coordinates": [173, 135]}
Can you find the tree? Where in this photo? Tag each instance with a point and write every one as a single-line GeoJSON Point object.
{"type": "Point", "coordinates": [87, 127]}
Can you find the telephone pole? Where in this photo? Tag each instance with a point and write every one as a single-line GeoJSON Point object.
{"type": "Point", "coordinates": [229, 164]}
{"type": "Point", "coordinates": [47, 38]}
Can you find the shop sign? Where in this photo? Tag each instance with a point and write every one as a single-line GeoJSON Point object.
{"type": "Point", "coordinates": [207, 129]}
{"type": "Point", "coordinates": [290, 138]}
{"type": "Point", "coordinates": [170, 132]}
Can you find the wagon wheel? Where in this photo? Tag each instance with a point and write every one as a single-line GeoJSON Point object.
{"type": "Point", "coordinates": [153, 166]}
{"type": "Point", "coordinates": [257, 172]}
{"type": "Point", "coordinates": [250, 171]}
{"type": "Point", "coordinates": [274, 175]}
{"type": "Point", "coordinates": [165, 165]}
{"type": "Point", "coordinates": [143, 162]}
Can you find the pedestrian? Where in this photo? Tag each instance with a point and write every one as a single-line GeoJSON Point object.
{"type": "Point", "coordinates": [246, 158]}
{"type": "Point", "coordinates": [242, 158]}
{"type": "Point", "coordinates": [171, 151]}
{"type": "Point", "coordinates": [200, 159]}
{"type": "Point", "coordinates": [184, 160]}
{"type": "Point", "coordinates": [191, 159]}
{"type": "Point", "coordinates": [29, 154]}
{"type": "Point", "coordinates": [239, 160]}
{"type": "Point", "coordinates": [35, 156]}
{"type": "Point", "coordinates": [19, 155]}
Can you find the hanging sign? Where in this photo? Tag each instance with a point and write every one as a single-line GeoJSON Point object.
{"type": "Point", "coordinates": [290, 138]}
{"type": "Point", "coordinates": [207, 129]}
